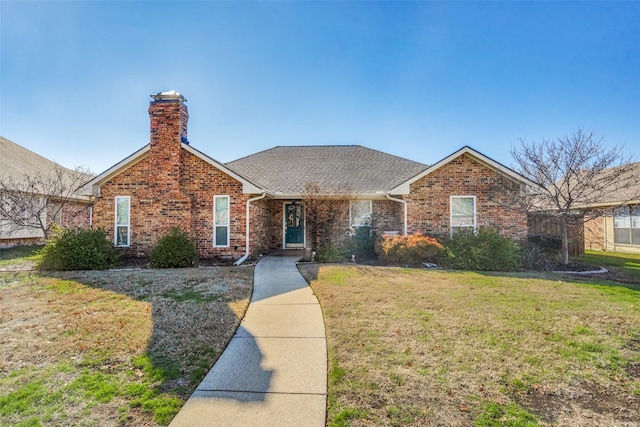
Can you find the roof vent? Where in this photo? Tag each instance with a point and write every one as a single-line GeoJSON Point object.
{"type": "Point", "coordinates": [172, 95]}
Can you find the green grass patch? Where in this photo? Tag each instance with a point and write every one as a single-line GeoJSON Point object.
{"type": "Point", "coordinates": [342, 418]}
{"type": "Point", "coordinates": [404, 343]}
{"type": "Point", "coordinates": [95, 342]}
{"type": "Point", "coordinates": [20, 254]}
{"type": "Point", "coordinates": [614, 261]}
{"type": "Point", "coordinates": [510, 415]}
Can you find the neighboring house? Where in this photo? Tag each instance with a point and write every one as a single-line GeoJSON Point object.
{"type": "Point", "coordinates": [256, 203]}
{"type": "Point", "coordinates": [617, 227]}
{"type": "Point", "coordinates": [35, 175]}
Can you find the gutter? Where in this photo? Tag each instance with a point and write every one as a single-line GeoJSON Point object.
{"type": "Point", "coordinates": [404, 202]}
{"type": "Point", "coordinates": [246, 252]}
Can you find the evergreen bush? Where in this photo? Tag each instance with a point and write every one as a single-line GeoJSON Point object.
{"type": "Point", "coordinates": [484, 249]}
{"type": "Point", "coordinates": [175, 250]}
{"type": "Point", "coordinates": [78, 249]}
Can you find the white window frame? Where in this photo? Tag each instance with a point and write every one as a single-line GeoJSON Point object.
{"type": "Point", "coordinates": [366, 223]}
{"type": "Point", "coordinates": [451, 216]}
{"type": "Point", "coordinates": [127, 225]}
{"type": "Point", "coordinates": [227, 225]}
{"type": "Point", "coordinates": [629, 216]}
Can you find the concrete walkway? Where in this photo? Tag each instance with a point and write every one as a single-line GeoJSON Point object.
{"type": "Point", "coordinates": [274, 370]}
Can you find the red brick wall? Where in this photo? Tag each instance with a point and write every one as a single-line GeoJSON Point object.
{"type": "Point", "coordinates": [428, 203]}
{"type": "Point", "coordinates": [76, 215]}
{"type": "Point", "coordinates": [202, 181]}
{"type": "Point", "coordinates": [171, 187]}
{"type": "Point", "coordinates": [262, 227]}
{"type": "Point", "coordinates": [154, 213]}
{"type": "Point", "coordinates": [387, 216]}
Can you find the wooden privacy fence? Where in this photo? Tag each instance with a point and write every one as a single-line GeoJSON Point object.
{"type": "Point", "coordinates": [548, 226]}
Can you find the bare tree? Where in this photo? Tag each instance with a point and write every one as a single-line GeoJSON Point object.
{"type": "Point", "coordinates": [573, 174]}
{"type": "Point", "coordinates": [36, 201]}
{"type": "Point", "coordinates": [326, 214]}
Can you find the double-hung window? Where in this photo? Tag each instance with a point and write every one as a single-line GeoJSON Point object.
{"type": "Point", "coordinates": [626, 226]}
{"type": "Point", "coordinates": [122, 221]}
{"type": "Point", "coordinates": [360, 213]}
{"type": "Point", "coordinates": [463, 212]}
{"type": "Point", "coordinates": [221, 221]}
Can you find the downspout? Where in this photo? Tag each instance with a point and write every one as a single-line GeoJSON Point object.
{"type": "Point", "coordinates": [246, 252]}
{"type": "Point", "coordinates": [404, 202]}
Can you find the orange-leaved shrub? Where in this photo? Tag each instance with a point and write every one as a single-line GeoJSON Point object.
{"type": "Point", "coordinates": [410, 250]}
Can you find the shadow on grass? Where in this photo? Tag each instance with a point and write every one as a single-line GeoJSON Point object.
{"type": "Point", "coordinates": [194, 315]}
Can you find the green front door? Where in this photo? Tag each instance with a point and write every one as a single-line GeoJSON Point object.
{"type": "Point", "coordinates": [293, 225]}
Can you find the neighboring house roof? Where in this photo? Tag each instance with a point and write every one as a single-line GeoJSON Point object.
{"type": "Point", "coordinates": [286, 170]}
{"type": "Point", "coordinates": [17, 161]}
{"type": "Point", "coordinates": [403, 188]}
{"type": "Point", "coordinates": [93, 185]}
{"type": "Point", "coordinates": [625, 191]}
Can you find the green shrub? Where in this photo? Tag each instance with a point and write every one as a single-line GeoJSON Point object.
{"type": "Point", "coordinates": [484, 249]}
{"type": "Point", "coordinates": [362, 244]}
{"type": "Point", "coordinates": [77, 249]}
{"type": "Point", "coordinates": [175, 250]}
{"type": "Point", "coordinates": [410, 250]}
{"type": "Point", "coordinates": [332, 253]}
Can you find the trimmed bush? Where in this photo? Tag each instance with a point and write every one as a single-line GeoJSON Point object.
{"type": "Point", "coordinates": [331, 253]}
{"type": "Point", "coordinates": [410, 250]}
{"type": "Point", "coordinates": [363, 244]}
{"type": "Point", "coordinates": [175, 250]}
{"type": "Point", "coordinates": [484, 250]}
{"type": "Point", "coordinates": [77, 249]}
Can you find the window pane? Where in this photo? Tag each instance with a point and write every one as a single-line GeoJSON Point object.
{"type": "Point", "coordinates": [222, 211]}
{"type": "Point", "coordinates": [622, 236]}
{"type": "Point", "coordinates": [360, 213]}
{"type": "Point", "coordinates": [122, 239]}
{"type": "Point", "coordinates": [122, 211]}
{"type": "Point", "coordinates": [462, 209]}
{"type": "Point", "coordinates": [221, 236]}
{"type": "Point", "coordinates": [635, 218]}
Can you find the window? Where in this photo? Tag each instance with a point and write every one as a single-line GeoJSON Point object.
{"type": "Point", "coordinates": [360, 213]}
{"type": "Point", "coordinates": [463, 211]}
{"type": "Point", "coordinates": [121, 229]}
{"type": "Point", "coordinates": [626, 226]}
{"type": "Point", "coordinates": [220, 220]}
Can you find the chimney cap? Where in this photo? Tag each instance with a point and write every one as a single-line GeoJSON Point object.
{"type": "Point", "coordinates": [171, 95]}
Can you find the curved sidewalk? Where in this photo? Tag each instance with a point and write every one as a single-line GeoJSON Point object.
{"type": "Point", "coordinates": [274, 370]}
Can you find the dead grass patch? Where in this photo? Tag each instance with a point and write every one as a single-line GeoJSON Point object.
{"type": "Point", "coordinates": [112, 348]}
{"type": "Point", "coordinates": [413, 347]}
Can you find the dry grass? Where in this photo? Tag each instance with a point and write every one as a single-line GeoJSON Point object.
{"type": "Point", "coordinates": [412, 347]}
{"type": "Point", "coordinates": [112, 347]}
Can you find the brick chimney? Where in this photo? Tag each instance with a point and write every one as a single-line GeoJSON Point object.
{"type": "Point", "coordinates": [171, 204]}
{"type": "Point", "coordinates": [169, 116]}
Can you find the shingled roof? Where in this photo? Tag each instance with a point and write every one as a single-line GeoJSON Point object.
{"type": "Point", "coordinates": [16, 162]}
{"type": "Point", "coordinates": [335, 168]}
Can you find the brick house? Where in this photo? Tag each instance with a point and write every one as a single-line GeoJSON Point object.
{"type": "Point", "coordinates": [257, 203]}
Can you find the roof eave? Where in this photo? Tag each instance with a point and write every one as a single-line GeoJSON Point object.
{"type": "Point", "coordinates": [404, 188]}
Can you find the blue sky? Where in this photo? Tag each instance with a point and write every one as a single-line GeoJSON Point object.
{"type": "Point", "coordinates": [414, 79]}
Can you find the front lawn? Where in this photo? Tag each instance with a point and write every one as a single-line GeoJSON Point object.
{"type": "Point", "coordinates": [112, 348]}
{"type": "Point", "coordinates": [415, 347]}
{"type": "Point", "coordinates": [627, 265]}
